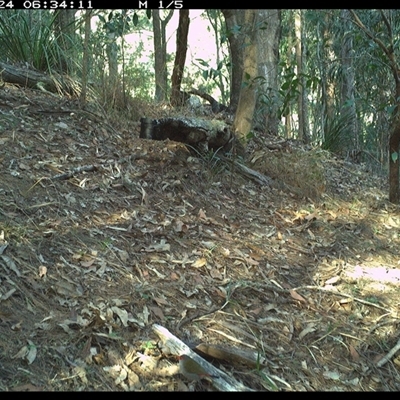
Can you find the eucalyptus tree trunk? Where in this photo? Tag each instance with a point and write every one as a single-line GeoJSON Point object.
{"type": "Point", "coordinates": [160, 54]}
{"type": "Point", "coordinates": [65, 36]}
{"type": "Point", "coordinates": [86, 57]}
{"type": "Point", "coordinates": [243, 121]}
{"type": "Point", "coordinates": [288, 109]}
{"type": "Point", "coordinates": [112, 58]}
{"type": "Point", "coordinates": [325, 58]}
{"type": "Point", "coordinates": [302, 109]}
{"type": "Point", "coordinates": [348, 105]}
{"type": "Point", "coordinates": [180, 58]}
{"type": "Point", "coordinates": [234, 20]}
{"type": "Point", "coordinates": [268, 37]}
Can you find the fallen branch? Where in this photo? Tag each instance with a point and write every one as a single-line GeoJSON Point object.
{"type": "Point", "coordinates": [389, 355]}
{"type": "Point", "coordinates": [172, 344]}
{"type": "Point", "coordinates": [77, 170]}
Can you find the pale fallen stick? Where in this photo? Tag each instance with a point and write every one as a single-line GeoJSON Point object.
{"type": "Point", "coordinates": [389, 355]}
{"type": "Point", "coordinates": [224, 382]}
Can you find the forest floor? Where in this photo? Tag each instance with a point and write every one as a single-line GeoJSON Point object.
{"type": "Point", "coordinates": [292, 287]}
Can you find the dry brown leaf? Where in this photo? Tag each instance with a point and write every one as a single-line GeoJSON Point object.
{"type": "Point", "coordinates": [202, 214]}
{"type": "Point", "coordinates": [87, 263]}
{"type": "Point", "coordinates": [311, 216]}
{"type": "Point", "coordinates": [158, 312]}
{"type": "Point", "coordinates": [296, 296]}
{"type": "Point", "coordinates": [173, 276]}
{"type": "Point", "coordinates": [122, 314]}
{"type": "Point", "coordinates": [200, 262]}
{"type": "Point", "coordinates": [161, 301]}
{"type": "Point", "coordinates": [308, 329]}
{"type": "Point", "coordinates": [180, 226]}
{"type": "Point", "coordinates": [251, 261]}
{"type": "Point", "coordinates": [354, 355]}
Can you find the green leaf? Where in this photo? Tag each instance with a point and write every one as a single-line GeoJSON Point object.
{"type": "Point", "coordinates": [202, 62]}
{"type": "Point", "coordinates": [135, 19]}
{"type": "Point", "coordinates": [394, 156]}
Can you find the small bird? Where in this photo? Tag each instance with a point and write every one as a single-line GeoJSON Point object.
{"type": "Point", "coordinates": [192, 370]}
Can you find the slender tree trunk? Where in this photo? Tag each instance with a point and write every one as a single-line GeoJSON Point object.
{"type": "Point", "coordinates": [247, 100]}
{"type": "Point", "coordinates": [234, 20]}
{"type": "Point", "coordinates": [348, 105]}
{"type": "Point", "coordinates": [326, 57]}
{"type": "Point", "coordinates": [86, 56]}
{"type": "Point", "coordinates": [394, 143]}
{"type": "Point", "coordinates": [304, 134]}
{"type": "Point", "coordinates": [268, 38]}
{"type": "Point", "coordinates": [180, 58]}
{"type": "Point", "coordinates": [160, 54]}
{"type": "Point", "coordinates": [65, 35]}
{"type": "Point", "coordinates": [112, 57]}
{"type": "Point", "coordinates": [288, 109]}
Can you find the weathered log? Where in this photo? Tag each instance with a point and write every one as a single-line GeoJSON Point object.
{"type": "Point", "coordinates": [199, 133]}
{"type": "Point", "coordinates": [35, 79]}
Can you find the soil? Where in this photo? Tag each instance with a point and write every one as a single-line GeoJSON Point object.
{"type": "Point", "coordinates": [103, 235]}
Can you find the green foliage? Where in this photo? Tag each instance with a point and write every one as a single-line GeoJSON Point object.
{"type": "Point", "coordinates": [33, 42]}
{"type": "Point", "coordinates": [120, 22]}
{"type": "Point", "coordinates": [213, 77]}
{"type": "Point", "coordinates": [336, 131]}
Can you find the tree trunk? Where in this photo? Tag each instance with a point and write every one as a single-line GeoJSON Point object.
{"type": "Point", "coordinates": [112, 57]}
{"type": "Point", "coordinates": [326, 57]}
{"type": "Point", "coordinates": [160, 54]}
{"type": "Point", "coordinates": [268, 37]}
{"type": "Point", "coordinates": [243, 121]}
{"type": "Point", "coordinates": [348, 105]}
{"type": "Point", "coordinates": [65, 32]}
{"type": "Point", "coordinates": [85, 58]}
{"type": "Point", "coordinates": [180, 58]}
{"type": "Point", "coordinates": [302, 109]}
{"type": "Point", "coordinates": [394, 143]}
{"type": "Point", "coordinates": [234, 29]}
{"type": "Point", "coordinates": [394, 194]}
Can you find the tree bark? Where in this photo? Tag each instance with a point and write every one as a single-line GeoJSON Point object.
{"type": "Point", "coordinates": [302, 109]}
{"type": "Point", "coordinates": [243, 121]}
{"type": "Point", "coordinates": [160, 54]}
{"type": "Point", "coordinates": [180, 58]}
{"type": "Point", "coordinates": [234, 28]}
{"type": "Point", "coordinates": [65, 33]}
{"type": "Point", "coordinates": [85, 58]}
{"type": "Point", "coordinates": [268, 37]}
{"type": "Point", "coordinates": [348, 105]}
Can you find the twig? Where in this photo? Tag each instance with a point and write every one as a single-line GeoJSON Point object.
{"type": "Point", "coordinates": [389, 355]}
{"type": "Point", "coordinates": [74, 171]}
{"type": "Point", "coordinates": [368, 303]}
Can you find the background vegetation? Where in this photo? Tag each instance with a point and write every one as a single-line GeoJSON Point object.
{"type": "Point", "coordinates": [335, 87]}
